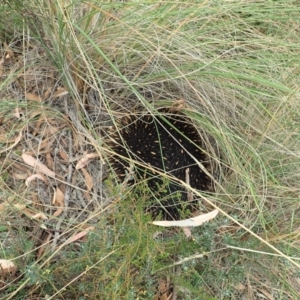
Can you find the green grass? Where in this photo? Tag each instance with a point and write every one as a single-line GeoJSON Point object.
{"type": "Point", "coordinates": [235, 64]}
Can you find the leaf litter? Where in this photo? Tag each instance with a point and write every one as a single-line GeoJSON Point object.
{"type": "Point", "coordinates": [40, 148]}
{"type": "Point", "coordinates": [46, 172]}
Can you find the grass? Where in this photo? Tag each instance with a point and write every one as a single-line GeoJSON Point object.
{"type": "Point", "coordinates": [68, 72]}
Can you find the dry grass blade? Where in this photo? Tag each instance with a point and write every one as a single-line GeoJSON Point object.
{"type": "Point", "coordinates": [162, 81]}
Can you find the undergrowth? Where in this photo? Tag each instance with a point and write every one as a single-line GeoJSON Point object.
{"type": "Point", "coordinates": [68, 72]}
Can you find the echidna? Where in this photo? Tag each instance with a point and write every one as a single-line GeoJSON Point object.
{"type": "Point", "coordinates": [162, 143]}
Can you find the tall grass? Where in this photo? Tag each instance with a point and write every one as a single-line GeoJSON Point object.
{"type": "Point", "coordinates": [235, 65]}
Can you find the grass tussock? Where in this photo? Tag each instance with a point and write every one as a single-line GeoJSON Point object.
{"type": "Point", "coordinates": [69, 71]}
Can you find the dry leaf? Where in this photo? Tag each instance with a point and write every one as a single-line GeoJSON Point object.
{"type": "Point", "coordinates": [19, 206]}
{"type": "Point", "coordinates": [82, 163]}
{"type": "Point", "coordinates": [46, 143]}
{"type": "Point", "coordinates": [27, 213]}
{"type": "Point", "coordinates": [16, 141]}
{"type": "Point", "coordinates": [33, 97]}
{"type": "Point", "coordinates": [49, 160]}
{"type": "Point", "coordinates": [163, 290]}
{"type": "Point", "coordinates": [35, 176]}
{"type": "Point", "coordinates": [79, 235]}
{"type": "Point", "coordinates": [3, 139]}
{"type": "Point", "coordinates": [88, 179]}
{"type": "Point", "coordinates": [33, 162]}
{"type": "Point", "coordinates": [18, 176]}
{"type": "Point", "coordinates": [21, 167]}
{"type": "Point", "coordinates": [46, 93]}
{"type": "Point", "coordinates": [58, 212]}
{"type": "Point", "coordinates": [58, 198]}
{"type": "Point", "coordinates": [39, 216]}
{"type": "Point", "coordinates": [239, 287]}
{"type": "Point", "coordinates": [64, 155]}
{"type": "Point", "coordinates": [3, 205]}
{"type": "Point", "coordinates": [60, 92]}
{"type": "Point", "coordinates": [6, 204]}
{"type": "Point", "coordinates": [59, 201]}
{"type": "Point", "coordinates": [7, 266]}
{"type": "Point", "coordinates": [85, 160]}
{"type": "Point", "coordinates": [192, 222]}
